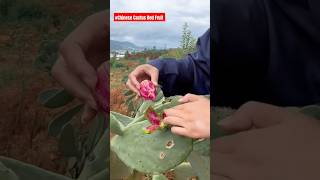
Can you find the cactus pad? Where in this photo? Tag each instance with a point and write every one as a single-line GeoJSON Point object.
{"type": "Point", "coordinates": [149, 153]}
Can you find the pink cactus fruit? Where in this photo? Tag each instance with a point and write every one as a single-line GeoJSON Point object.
{"type": "Point", "coordinates": [102, 88]}
{"type": "Point", "coordinates": [148, 91]}
{"type": "Point", "coordinates": [152, 116]}
{"type": "Point", "coordinates": [155, 120]}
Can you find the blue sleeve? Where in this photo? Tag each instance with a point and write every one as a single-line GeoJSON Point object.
{"type": "Point", "coordinates": [188, 75]}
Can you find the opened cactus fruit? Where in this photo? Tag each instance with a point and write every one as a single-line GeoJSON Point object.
{"type": "Point", "coordinates": [155, 119]}
{"type": "Point", "coordinates": [148, 90]}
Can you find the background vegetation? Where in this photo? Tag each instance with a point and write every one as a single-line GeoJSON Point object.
{"type": "Point", "coordinates": [30, 32]}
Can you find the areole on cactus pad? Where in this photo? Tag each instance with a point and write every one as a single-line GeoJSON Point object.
{"type": "Point", "coordinates": [155, 119]}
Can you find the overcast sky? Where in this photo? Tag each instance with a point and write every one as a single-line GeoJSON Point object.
{"type": "Point", "coordinates": [195, 12]}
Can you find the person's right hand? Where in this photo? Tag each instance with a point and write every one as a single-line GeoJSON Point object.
{"type": "Point", "coordinates": [142, 72]}
{"type": "Point", "coordinates": [80, 55]}
{"type": "Point", "coordinates": [267, 142]}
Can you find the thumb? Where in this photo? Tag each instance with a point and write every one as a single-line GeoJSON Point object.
{"type": "Point", "coordinates": [253, 115]}
{"type": "Point", "coordinates": [188, 98]}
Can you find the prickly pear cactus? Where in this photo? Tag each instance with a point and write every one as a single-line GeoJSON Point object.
{"type": "Point", "coordinates": [11, 169]}
{"type": "Point", "coordinates": [152, 153]}
{"type": "Point", "coordinates": [156, 152]}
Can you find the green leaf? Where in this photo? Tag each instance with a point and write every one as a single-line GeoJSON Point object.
{"type": "Point", "coordinates": [130, 99]}
{"type": "Point", "coordinates": [47, 55]}
{"type": "Point", "coordinates": [159, 151]}
{"type": "Point", "coordinates": [29, 172]}
{"type": "Point", "coordinates": [116, 126]}
{"type": "Point", "coordinates": [202, 147]}
{"type": "Point", "coordinates": [184, 171]}
{"type": "Point", "coordinates": [201, 165]}
{"type": "Point", "coordinates": [102, 175]}
{"type": "Point", "coordinates": [97, 160]}
{"type": "Point", "coordinates": [68, 142]}
{"type": "Point", "coordinates": [6, 173]}
{"type": "Point", "coordinates": [57, 124]}
{"type": "Point", "coordinates": [55, 98]}
{"type": "Point", "coordinates": [128, 93]}
{"type": "Point", "coordinates": [160, 94]}
{"type": "Point", "coordinates": [125, 120]}
{"type": "Point", "coordinates": [95, 133]}
{"type": "Point", "coordinates": [143, 108]}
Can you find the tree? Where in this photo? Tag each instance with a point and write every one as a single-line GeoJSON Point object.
{"type": "Point", "coordinates": [126, 54]}
{"type": "Point", "coordinates": [188, 42]}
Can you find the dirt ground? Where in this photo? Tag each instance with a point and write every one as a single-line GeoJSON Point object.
{"type": "Point", "coordinates": [117, 86]}
{"type": "Point", "coordinates": [23, 121]}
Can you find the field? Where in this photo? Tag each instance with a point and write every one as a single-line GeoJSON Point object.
{"type": "Point", "coordinates": [118, 77]}
{"type": "Point", "coordinates": [23, 121]}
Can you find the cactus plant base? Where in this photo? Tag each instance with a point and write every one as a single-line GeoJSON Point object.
{"type": "Point", "coordinates": [150, 153]}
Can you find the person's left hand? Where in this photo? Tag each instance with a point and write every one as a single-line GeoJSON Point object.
{"type": "Point", "coordinates": [270, 143]}
{"type": "Point", "coordinates": [191, 119]}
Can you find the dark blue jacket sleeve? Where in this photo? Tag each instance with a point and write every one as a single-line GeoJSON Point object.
{"type": "Point", "coordinates": [188, 75]}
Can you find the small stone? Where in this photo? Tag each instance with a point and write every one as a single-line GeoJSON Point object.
{"type": "Point", "coordinates": [162, 155]}
{"type": "Point", "coordinates": [170, 144]}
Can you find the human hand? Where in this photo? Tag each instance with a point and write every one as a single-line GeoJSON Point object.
{"type": "Point", "coordinates": [80, 54]}
{"type": "Point", "coordinates": [270, 143]}
{"type": "Point", "coordinates": [142, 72]}
{"type": "Point", "coordinates": [191, 119]}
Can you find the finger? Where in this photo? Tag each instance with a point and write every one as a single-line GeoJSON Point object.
{"type": "Point", "coordinates": [72, 83]}
{"type": "Point", "coordinates": [154, 75]}
{"type": "Point", "coordinates": [188, 98]}
{"type": "Point", "coordinates": [253, 115]}
{"type": "Point", "coordinates": [133, 77]}
{"type": "Point", "coordinates": [180, 131]}
{"type": "Point", "coordinates": [75, 58]}
{"type": "Point", "coordinates": [88, 114]}
{"type": "Point", "coordinates": [132, 87]}
{"type": "Point", "coordinates": [175, 113]}
{"type": "Point", "coordinates": [175, 121]}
